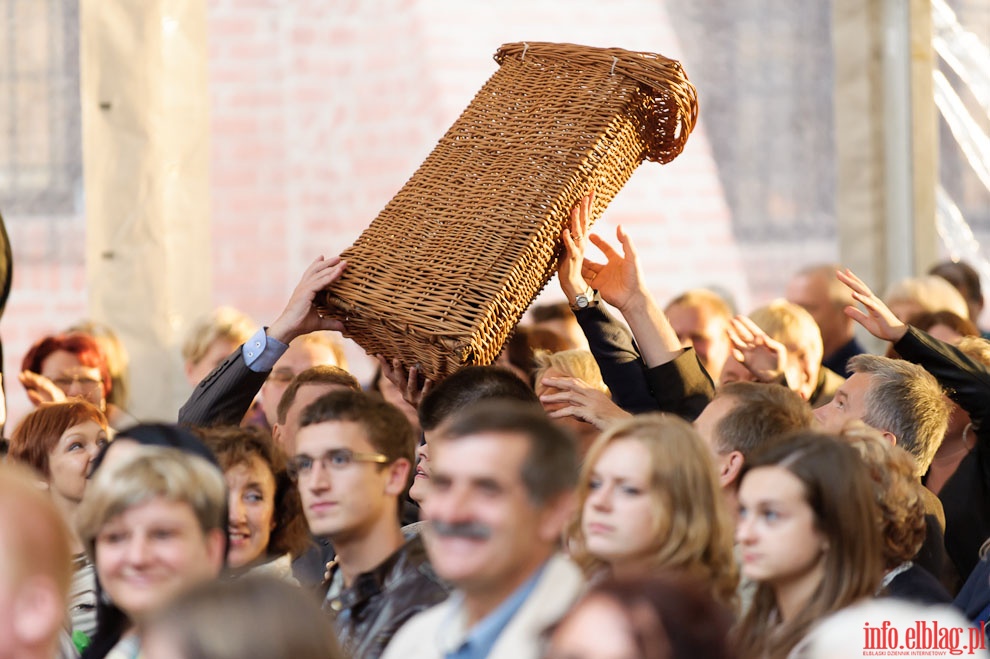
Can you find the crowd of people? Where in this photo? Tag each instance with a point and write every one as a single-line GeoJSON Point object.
{"type": "Point", "coordinates": [685, 482]}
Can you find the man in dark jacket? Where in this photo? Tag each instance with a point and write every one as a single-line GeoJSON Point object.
{"type": "Point", "coordinates": [352, 461]}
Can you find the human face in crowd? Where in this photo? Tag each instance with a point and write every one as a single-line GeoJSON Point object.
{"type": "Point", "coordinates": [777, 531]}
{"type": "Point", "coordinates": [67, 372]}
{"type": "Point", "coordinates": [70, 460]}
{"type": "Point", "coordinates": [727, 463]}
{"type": "Point", "coordinates": [849, 403]}
{"type": "Point", "coordinates": [251, 511]}
{"type": "Point", "coordinates": [344, 501]}
{"type": "Point", "coordinates": [154, 551]}
{"type": "Point", "coordinates": [421, 481]}
{"type": "Point", "coordinates": [811, 292]}
{"type": "Point", "coordinates": [300, 356]}
{"type": "Point", "coordinates": [219, 350]}
{"type": "Point", "coordinates": [486, 535]}
{"type": "Point", "coordinates": [945, 333]}
{"type": "Point", "coordinates": [620, 515]}
{"type": "Point", "coordinates": [597, 628]}
{"type": "Point", "coordinates": [698, 327]}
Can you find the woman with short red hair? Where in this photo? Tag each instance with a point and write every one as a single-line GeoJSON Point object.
{"type": "Point", "coordinates": [71, 365]}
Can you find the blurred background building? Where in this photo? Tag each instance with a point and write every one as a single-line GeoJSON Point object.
{"type": "Point", "coordinates": [264, 133]}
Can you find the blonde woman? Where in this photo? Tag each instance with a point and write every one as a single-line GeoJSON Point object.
{"type": "Point", "coordinates": [649, 500]}
{"type": "Point", "coordinates": [154, 523]}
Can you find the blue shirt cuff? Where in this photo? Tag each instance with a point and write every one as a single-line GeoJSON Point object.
{"type": "Point", "coordinates": [262, 351]}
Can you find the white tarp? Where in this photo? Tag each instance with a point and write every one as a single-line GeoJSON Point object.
{"type": "Point", "coordinates": [145, 128]}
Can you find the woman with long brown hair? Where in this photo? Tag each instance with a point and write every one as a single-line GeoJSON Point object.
{"type": "Point", "coordinates": [809, 537]}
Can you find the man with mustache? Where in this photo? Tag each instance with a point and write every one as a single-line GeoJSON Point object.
{"type": "Point", "coordinates": [501, 491]}
{"type": "Point", "coordinates": [352, 461]}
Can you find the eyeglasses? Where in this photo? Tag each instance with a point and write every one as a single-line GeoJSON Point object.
{"type": "Point", "coordinates": [336, 459]}
{"type": "Point", "coordinates": [281, 376]}
{"type": "Point", "coordinates": [65, 382]}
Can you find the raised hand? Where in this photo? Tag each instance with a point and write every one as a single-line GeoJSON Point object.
{"type": "Point", "coordinates": [575, 241]}
{"type": "Point", "coordinates": [577, 399]}
{"type": "Point", "coordinates": [764, 357]}
{"type": "Point", "coordinates": [618, 280]}
{"type": "Point", "coordinates": [877, 318]}
{"type": "Point", "coordinates": [40, 389]}
{"type": "Point", "coordinates": [406, 381]}
{"type": "Point", "coordinates": [300, 316]}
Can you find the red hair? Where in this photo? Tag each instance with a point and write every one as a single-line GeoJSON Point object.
{"type": "Point", "coordinates": [83, 346]}
{"type": "Point", "coordinates": [37, 435]}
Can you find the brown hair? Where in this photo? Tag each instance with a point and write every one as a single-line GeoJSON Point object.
{"type": "Point", "coordinates": [235, 446]}
{"type": "Point", "coordinates": [839, 492]}
{"type": "Point", "coordinates": [926, 320]}
{"type": "Point", "coordinates": [387, 428]}
{"type": "Point", "coordinates": [669, 615]}
{"type": "Point", "coordinates": [37, 435]}
{"type": "Point", "coordinates": [761, 413]}
{"type": "Point", "coordinates": [694, 534]}
{"type": "Point", "coordinates": [323, 374]}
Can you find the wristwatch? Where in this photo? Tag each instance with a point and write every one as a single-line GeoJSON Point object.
{"type": "Point", "coordinates": [583, 300]}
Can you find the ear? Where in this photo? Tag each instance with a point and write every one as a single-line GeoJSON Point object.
{"type": "Point", "coordinates": [890, 437]}
{"type": "Point", "coordinates": [38, 612]}
{"type": "Point", "coordinates": [555, 515]}
{"type": "Point", "coordinates": [730, 464]}
{"type": "Point", "coordinates": [398, 477]}
{"type": "Point", "coordinates": [216, 545]}
{"type": "Point", "coordinates": [277, 437]}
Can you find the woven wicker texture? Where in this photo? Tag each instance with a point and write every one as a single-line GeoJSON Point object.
{"type": "Point", "coordinates": [447, 269]}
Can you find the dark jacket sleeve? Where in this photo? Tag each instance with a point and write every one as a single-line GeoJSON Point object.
{"type": "Point", "coordinates": [966, 495]}
{"type": "Point", "coordinates": [618, 358]}
{"type": "Point", "coordinates": [223, 397]}
{"type": "Point", "coordinates": [681, 386]}
{"type": "Point", "coordinates": [966, 381]}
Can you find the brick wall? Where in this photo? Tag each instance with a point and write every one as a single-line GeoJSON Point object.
{"type": "Point", "coordinates": [322, 109]}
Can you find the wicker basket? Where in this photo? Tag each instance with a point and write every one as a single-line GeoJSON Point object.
{"type": "Point", "coordinates": [447, 269]}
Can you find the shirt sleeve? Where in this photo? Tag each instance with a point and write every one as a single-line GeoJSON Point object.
{"type": "Point", "coordinates": [262, 351]}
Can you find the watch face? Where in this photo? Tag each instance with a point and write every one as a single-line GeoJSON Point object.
{"type": "Point", "coordinates": [581, 301]}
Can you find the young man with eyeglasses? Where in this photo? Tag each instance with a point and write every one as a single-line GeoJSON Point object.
{"type": "Point", "coordinates": [352, 461]}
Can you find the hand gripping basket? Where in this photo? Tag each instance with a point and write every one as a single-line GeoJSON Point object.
{"type": "Point", "coordinates": [449, 266]}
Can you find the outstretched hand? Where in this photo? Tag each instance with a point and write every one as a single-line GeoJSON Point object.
{"type": "Point", "coordinates": [575, 398]}
{"type": "Point", "coordinates": [877, 318]}
{"type": "Point", "coordinates": [618, 280]}
{"type": "Point", "coordinates": [40, 389]}
{"type": "Point", "coordinates": [764, 357]}
{"type": "Point", "coordinates": [300, 316]}
{"type": "Point", "coordinates": [575, 241]}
